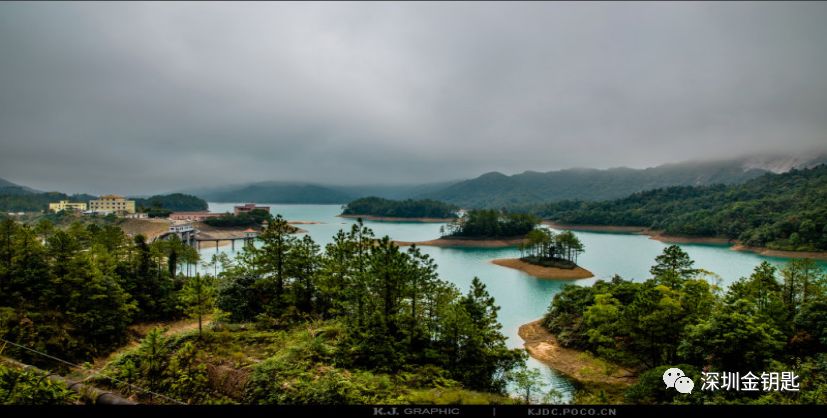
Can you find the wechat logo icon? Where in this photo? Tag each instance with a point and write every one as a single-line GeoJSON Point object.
{"type": "Point", "coordinates": [675, 378]}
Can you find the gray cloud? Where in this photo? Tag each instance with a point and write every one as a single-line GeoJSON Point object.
{"type": "Point", "coordinates": [153, 97]}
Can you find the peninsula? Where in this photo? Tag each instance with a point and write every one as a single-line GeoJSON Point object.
{"type": "Point", "coordinates": [409, 210]}
{"type": "Point", "coordinates": [485, 228]}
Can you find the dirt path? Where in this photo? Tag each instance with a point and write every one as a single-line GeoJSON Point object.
{"type": "Point", "coordinates": [576, 364]}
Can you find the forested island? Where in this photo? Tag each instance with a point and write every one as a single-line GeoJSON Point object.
{"type": "Point", "coordinates": [548, 255]}
{"type": "Point", "coordinates": [255, 217]}
{"type": "Point", "coordinates": [778, 211]}
{"type": "Point", "coordinates": [490, 224]}
{"type": "Point", "coordinates": [377, 208]}
{"type": "Point", "coordinates": [162, 205]}
{"type": "Point", "coordinates": [483, 228]}
{"type": "Point", "coordinates": [356, 322]}
{"type": "Point", "coordinates": [772, 321]}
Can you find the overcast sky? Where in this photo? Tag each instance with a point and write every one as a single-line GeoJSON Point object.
{"type": "Point", "coordinates": [142, 98]}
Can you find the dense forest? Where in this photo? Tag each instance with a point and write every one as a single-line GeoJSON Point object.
{"type": "Point", "coordinates": [360, 321]}
{"type": "Point", "coordinates": [175, 202]}
{"type": "Point", "coordinates": [779, 211]}
{"type": "Point", "coordinates": [36, 202]}
{"type": "Point", "coordinates": [24, 201]}
{"type": "Point", "coordinates": [376, 206]}
{"type": "Point", "coordinates": [489, 223]}
{"type": "Point", "coordinates": [252, 218]}
{"type": "Point", "coordinates": [771, 321]}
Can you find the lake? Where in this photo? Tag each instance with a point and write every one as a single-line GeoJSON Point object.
{"type": "Point", "coordinates": [522, 298]}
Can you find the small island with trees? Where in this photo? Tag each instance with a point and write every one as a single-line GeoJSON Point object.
{"type": "Point", "coordinates": [409, 210]}
{"type": "Point", "coordinates": [549, 255]}
{"type": "Point", "coordinates": [483, 228]}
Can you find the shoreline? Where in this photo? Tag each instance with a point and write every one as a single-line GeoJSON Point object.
{"type": "Point", "coordinates": [542, 272]}
{"type": "Point", "coordinates": [677, 239]}
{"type": "Point", "coordinates": [577, 365]}
{"type": "Point", "coordinates": [397, 219]}
{"type": "Point", "coordinates": [470, 243]}
{"type": "Point", "coordinates": [817, 255]}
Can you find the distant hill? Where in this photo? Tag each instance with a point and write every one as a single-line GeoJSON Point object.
{"type": "Point", "coordinates": [9, 188]}
{"type": "Point", "coordinates": [393, 191]}
{"type": "Point", "coordinates": [531, 187]}
{"type": "Point", "coordinates": [293, 192]}
{"type": "Point", "coordinates": [780, 211]}
{"type": "Point", "coordinates": [35, 202]}
{"type": "Point", "coordinates": [275, 192]}
{"type": "Point", "coordinates": [496, 190]}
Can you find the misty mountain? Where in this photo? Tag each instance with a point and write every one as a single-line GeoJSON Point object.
{"type": "Point", "coordinates": [9, 188]}
{"type": "Point", "coordinates": [274, 192]}
{"type": "Point", "coordinates": [393, 191]}
{"type": "Point", "coordinates": [495, 189]}
{"type": "Point", "coordinates": [293, 192]}
{"type": "Point", "coordinates": [499, 190]}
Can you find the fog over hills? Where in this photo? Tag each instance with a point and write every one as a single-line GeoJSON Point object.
{"type": "Point", "coordinates": [495, 189]}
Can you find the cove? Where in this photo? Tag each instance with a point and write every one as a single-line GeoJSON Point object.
{"type": "Point", "coordinates": [522, 298]}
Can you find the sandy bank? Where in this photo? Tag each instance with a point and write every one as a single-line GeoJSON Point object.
{"type": "Point", "coordinates": [472, 243]}
{"type": "Point", "coordinates": [576, 364]}
{"type": "Point", "coordinates": [818, 255]}
{"type": "Point", "coordinates": [542, 272]}
{"type": "Point", "coordinates": [677, 239]}
{"type": "Point", "coordinates": [599, 228]}
{"type": "Point", "coordinates": [396, 219]}
{"type": "Point", "coordinates": [304, 222]}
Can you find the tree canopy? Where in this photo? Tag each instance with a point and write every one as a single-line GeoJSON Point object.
{"type": "Point", "coordinates": [780, 211]}
{"type": "Point", "coordinates": [409, 208]}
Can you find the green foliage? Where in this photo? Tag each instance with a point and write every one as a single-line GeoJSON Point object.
{"type": "Point", "coordinates": [175, 202]}
{"type": "Point", "coordinates": [492, 224]}
{"type": "Point", "coordinates": [409, 208]}
{"type": "Point", "coordinates": [779, 211]}
{"type": "Point", "coordinates": [650, 388]}
{"type": "Point", "coordinates": [734, 337]}
{"type": "Point", "coordinates": [496, 190]}
{"type": "Point", "coordinates": [673, 266]}
{"type": "Point", "coordinates": [546, 248]}
{"type": "Point", "coordinates": [64, 296]}
{"type": "Point", "coordinates": [161, 370]}
{"type": "Point", "coordinates": [254, 217]}
{"type": "Point", "coordinates": [72, 293]}
{"type": "Point", "coordinates": [36, 202]}
{"type": "Point", "coordinates": [24, 387]}
{"type": "Point", "coordinates": [528, 382]}
{"type": "Point", "coordinates": [676, 317]}
{"type": "Point", "coordinates": [198, 297]}
{"type": "Point", "coordinates": [397, 310]}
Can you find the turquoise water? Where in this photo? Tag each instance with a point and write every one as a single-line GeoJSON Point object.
{"type": "Point", "coordinates": [522, 298]}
